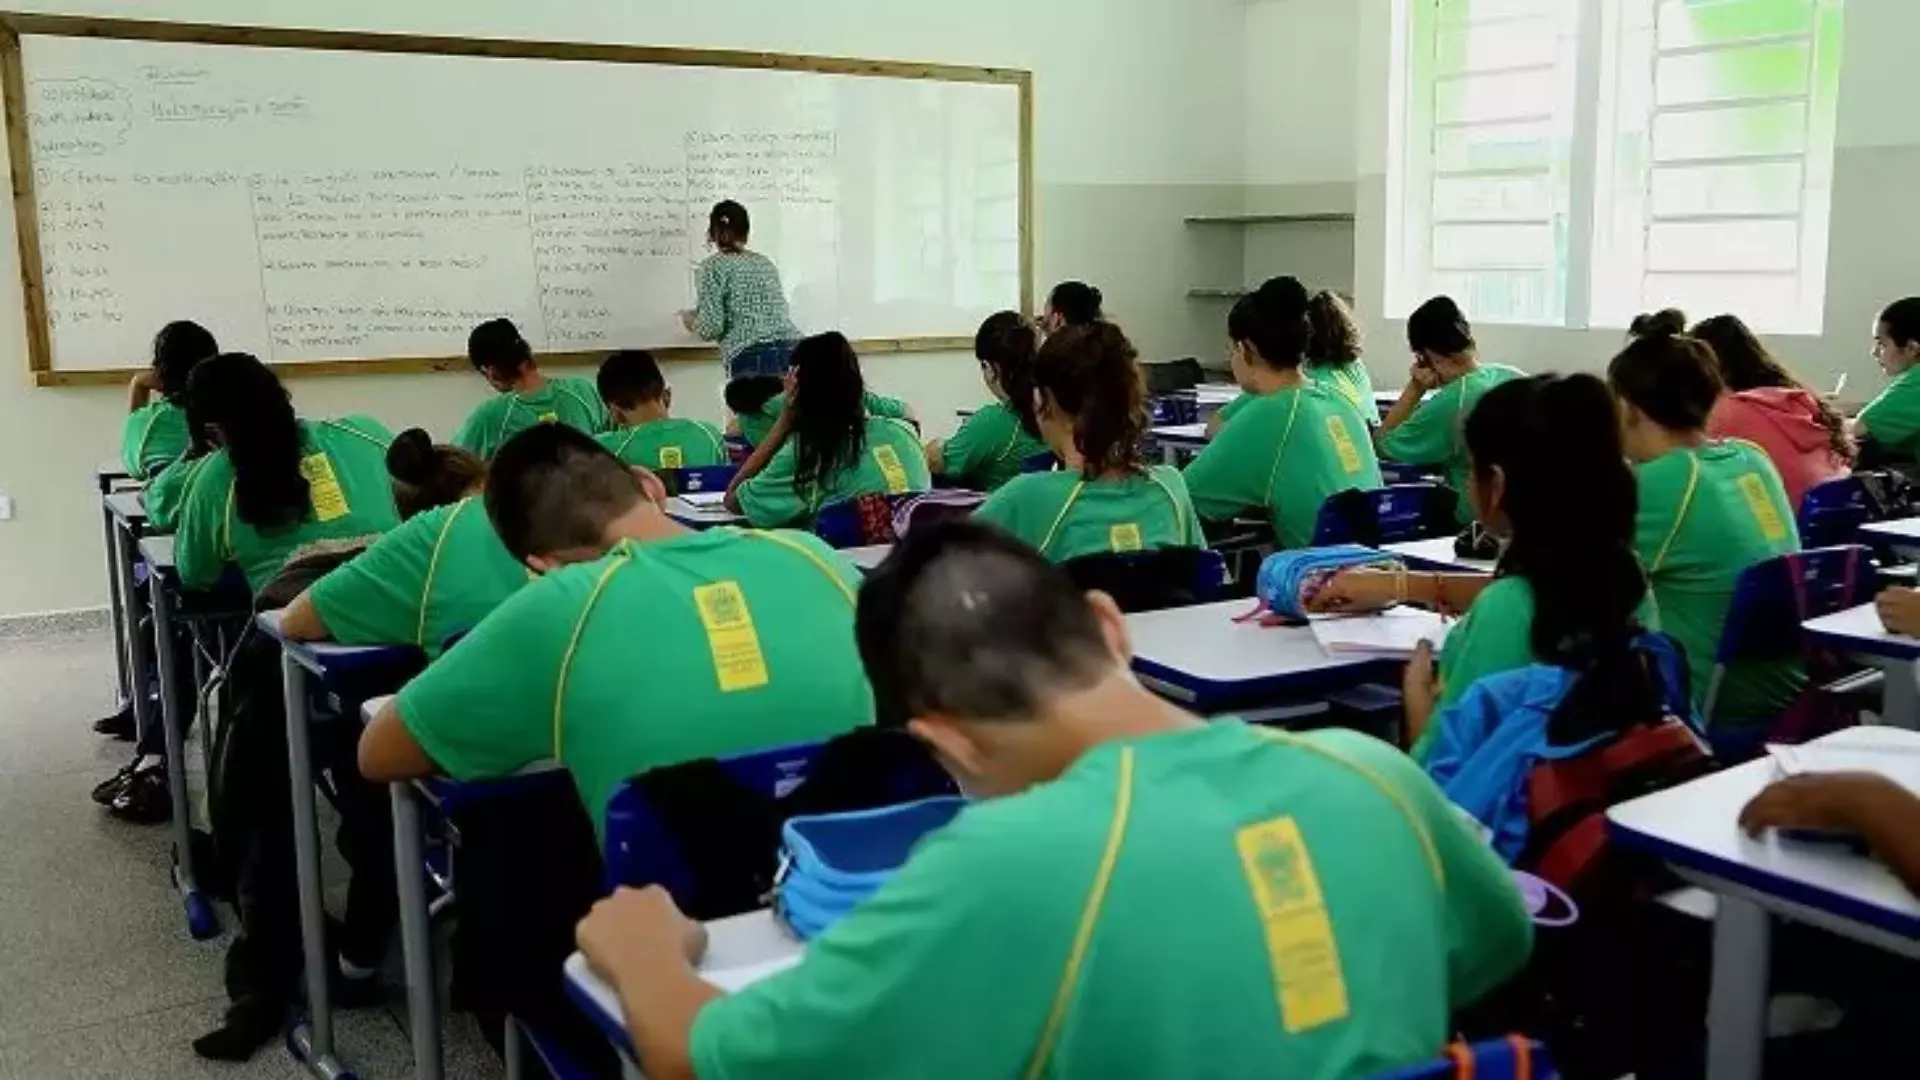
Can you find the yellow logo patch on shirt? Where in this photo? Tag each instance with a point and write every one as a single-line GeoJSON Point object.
{"type": "Point", "coordinates": [896, 474]}
{"type": "Point", "coordinates": [323, 488]}
{"type": "Point", "coordinates": [1300, 946]}
{"type": "Point", "coordinates": [672, 457]}
{"type": "Point", "coordinates": [1125, 537]}
{"type": "Point", "coordinates": [1764, 514]}
{"type": "Point", "coordinates": [549, 418]}
{"type": "Point", "coordinates": [1343, 445]}
{"type": "Point", "coordinates": [737, 659]}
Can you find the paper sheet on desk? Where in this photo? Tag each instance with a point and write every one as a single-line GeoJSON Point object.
{"type": "Point", "coordinates": [1390, 634]}
{"type": "Point", "coordinates": [706, 500]}
{"type": "Point", "coordinates": [1899, 763]}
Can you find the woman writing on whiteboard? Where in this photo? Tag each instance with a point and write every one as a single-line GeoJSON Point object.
{"type": "Point", "coordinates": [740, 303]}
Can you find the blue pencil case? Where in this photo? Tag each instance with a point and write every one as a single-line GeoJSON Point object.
{"type": "Point", "coordinates": [832, 862]}
{"type": "Point", "coordinates": [1288, 578]}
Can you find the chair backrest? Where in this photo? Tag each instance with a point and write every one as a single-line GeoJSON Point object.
{"type": "Point", "coordinates": [1511, 1058]}
{"type": "Point", "coordinates": [698, 478]}
{"type": "Point", "coordinates": [1389, 515]}
{"type": "Point", "coordinates": [1831, 512]}
{"type": "Point", "coordinates": [1152, 580]}
{"type": "Point", "coordinates": [1171, 376]}
{"type": "Point", "coordinates": [856, 522]}
{"type": "Point", "coordinates": [738, 449]}
{"type": "Point", "coordinates": [1771, 600]}
{"type": "Point", "coordinates": [1044, 462]}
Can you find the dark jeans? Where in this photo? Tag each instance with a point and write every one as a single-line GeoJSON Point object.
{"type": "Point", "coordinates": [765, 358]}
{"type": "Point", "coordinates": [186, 697]}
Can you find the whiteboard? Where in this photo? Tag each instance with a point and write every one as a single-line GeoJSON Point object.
{"type": "Point", "coordinates": [313, 205]}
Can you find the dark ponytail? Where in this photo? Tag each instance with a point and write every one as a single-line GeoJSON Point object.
{"type": "Point", "coordinates": [829, 409]}
{"type": "Point", "coordinates": [425, 476]}
{"type": "Point", "coordinates": [240, 396]}
{"type": "Point", "coordinates": [728, 225]}
{"type": "Point", "coordinates": [1273, 319]}
{"type": "Point", "coordinates": [177, 349]}
{"type": "Point", "coordinates": [1006, 343]}
{"type": "Point", "coordinates": [1667, 322]}
{"type": "Point", "coordinates": [1093, 373]}
{"type": "Point", "coordinates": [1076, 302]}
{"type": "Point", "coordinates": [1572, 517]}
{"type": "Point", "coordinates": [1674, 380]}
{"type": "Point", "coordinates": [1745, 364]}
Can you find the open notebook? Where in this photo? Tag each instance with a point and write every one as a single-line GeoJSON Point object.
{"type": "Point", "coordinates": [1391, 634]}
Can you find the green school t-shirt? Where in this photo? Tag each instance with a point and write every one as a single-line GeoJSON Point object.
{"type": "Point", "coordinates": [893, 463]}
{"type": "Point", "coordinates": [990, 448]}
{"type": "Point", "coordinates": [754, 427]}
{"type": "Point", "coordinates": [1351, 381]}
{"type": "Point", "coordinates": [1893, 418]}
{"type": "Point", "coordinates": [345, 463]}
{"type": "Point", "coordinates": [1232, 408]}
{"type": "Point", "coordinates": [703, 645]}
{"type": "Point", "coordinates": [672, 443]}
{"type": "Point", "coordinates": [1063, 515]}
{"type": "Point", "coordinates": [1436, 432]}
{"type": "Point", "coordinates": [1706, 515]}
{"type": "Point", "coordinates": [1496, 636]}
{"type": "Point", "coordinates": [167, 490]}
{"type": "Point", "coordinates": [1189, 903]}
{"type": "Point", "coordinates": [1284, 454]}
{"type": "Point", "coordinates": [436, 575]}
{"type": "Point", "coordinates": [154, 436]}
{"type": "Point", "coordinates": [573, 402]}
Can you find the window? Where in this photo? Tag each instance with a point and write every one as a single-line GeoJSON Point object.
{"type": "Point", "coordinates": [1573, 162]}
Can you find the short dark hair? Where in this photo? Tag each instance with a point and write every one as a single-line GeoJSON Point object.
{"type": "Point", "coordinates": [177, 349]}
{"type": "Point", "coordinates": [551, 488]}
{"type": "Point", "coordinates": [1439, 327]}
{"type": "Point", "coordinates": [1902, 320]}
{"type": "Point", "coordinates": [496, 346]}
{"type": "Point", "coordinates": [426, 475]}
{"type": "Point", "coordinates": [964, 620]}
{"type": "Point", "coordinates": [1273, 319]}
{"type": "Point", "coordinates": [748, 395]}
{"type": "Point", "coordinates": [631, 377]}
{"type": "Point", "coordinates": [1076, 302]}
{"type": "Point", "coordinates": [1674, 380]}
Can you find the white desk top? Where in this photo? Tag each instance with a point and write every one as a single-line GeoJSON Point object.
{"type": "Point", "coordinates": [1859, 631]}
{"type": "Point", "coordinates": [701, 517]}
{"type": "Point", "coordinates": [371, 707]}
{"type": "Point", "coordinates": [741, 951]}
{"type": "Point", "coordinates": [1202, 653]}
{"type": "Point", "coordinates": [1180, 433]}
{"type": "Point", "coordinates": [1695, 829]}
{"type": "Point", "coordinates": [1216, 393]}
{"type": "Point", "coordinates": [128, 506]}
{"type": "Point", "coordinates": [1903, 530]}
{"type": "Point", "coordinates": [1437, 554]}
{"type": "Point", "coordinates": [315, 655]}
{"type": "Point", "coordinates": [158, 551]}
{"type": "Point", "coordinates": [870, 557]}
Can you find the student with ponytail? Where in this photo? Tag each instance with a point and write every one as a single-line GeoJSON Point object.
{"type": "Point", "coordinates": [1072, 303]}
{"type": "Point", "coordinates": [1092, 408]}
{"type": "Point", "coordinates": [1333, 361]}
{"type": "Point", "coordinates": [1294, 444]}
{"type": "Point", "coordinates": [274, 483]}
{"type": "Point", "coordinates": [435, 576]}
{"type": "Point", "coordinates": [994, 442]}
{"type": "Point", "coordinates": [1568, 588]}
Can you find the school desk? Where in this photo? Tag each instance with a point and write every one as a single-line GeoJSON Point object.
{"type": "Point", "coordinates": [1179, 440]}
{"type": "Point", "coordinates": [444, 796]}
{"type": "Point", "coordinates": [1858, 632]}
{"type": "Point", "coordinates": [701, 516]}
{"type": "Point", "coordinates": [1201, 657]}
{"type": "Point", "coordinates": [196, 612]}
{"type": "Point", "coordinates": [126, 520]}
{"type": "Point", "coordinates": [108, 476]}
{"type": "Point", "coordinates": [741, 951]}
{"type": "Point", "coordinates": [868, 558]}
{"type": "Point", "coordinates": [1902, 535]}
{"type": "Point", "coordinates": [1694, 828]}
{"type": "Point", "coordinates": [1437, 556]}
{"type": "Point", "coordinates": [342, 670]}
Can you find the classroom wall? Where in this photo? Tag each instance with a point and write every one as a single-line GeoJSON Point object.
{"type": "Point", "coordinates": [1876, 213]}
{"type": "Point", "coordinates": [1139, 122]}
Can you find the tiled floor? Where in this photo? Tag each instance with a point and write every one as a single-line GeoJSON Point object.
{"type": "Point", "coordinates": [98, 978]}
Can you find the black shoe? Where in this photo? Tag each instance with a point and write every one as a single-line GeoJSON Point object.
{"type": "Point", "coordinates": [145, 799]}
{"type": "Point", "coordinates": [106, 791]}
{"type": "Point", "coordinates": [118, 726]}
{"type": "Point", "coordinates": [250, 1026]}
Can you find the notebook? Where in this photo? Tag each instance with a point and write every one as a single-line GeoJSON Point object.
{"type": "Point", "coordinates": [706, 500]}
{"type": "Point", "coordinates": [1860, 752]}
{"type": "Point", "coordinates": [1392, 634]}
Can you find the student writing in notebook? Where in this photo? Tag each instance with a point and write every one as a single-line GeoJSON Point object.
{"type": "Point", "coordinates": [994, 443]}
{"type": "Point", "coordinates": [1132, 892]}
{"type": "Point", "coordinates": [524, 395]}
{"type": "Point", "coordinates": [1447, 377]}
{"type": "Point", "coordinates": [1092, 406]}
{"type": "Point", "coordinates": [644, 430]}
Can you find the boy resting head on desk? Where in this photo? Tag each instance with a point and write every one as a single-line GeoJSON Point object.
{"type": "Point", "coordinates": [1140, 893]}
{"type": "Point", "coordinates": [749, 636]}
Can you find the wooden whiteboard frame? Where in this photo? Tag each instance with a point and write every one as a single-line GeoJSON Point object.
{"type": "Point", "coordinates": [13, 25]}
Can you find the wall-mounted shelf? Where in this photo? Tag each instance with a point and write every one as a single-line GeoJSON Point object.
{"type": "Point", "coordinates": [1219, 294]}
{"type": "Point", "coordinates": [1270, 219]}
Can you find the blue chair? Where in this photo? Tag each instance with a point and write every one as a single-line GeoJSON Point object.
{"type": "Point", "coordinates": [1390, 515]}
{"type": "Point", "coordinates": [1142, 581]}
{"type": "Point", "coordinates": [738, 449]}
{"type": "Point", "coordinates": [1770, 602]}
{"type": "Point", "coordinates": [1832, 512]}
{"type": "Point", "coordinates": [1511, 1058]}
{"type": "Point", "coordinates": [698, 478]}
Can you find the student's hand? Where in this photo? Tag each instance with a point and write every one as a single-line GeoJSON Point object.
{"type": "Point", "coordinates": [146, 381]}
{"type": "Point", "coordinates": [1422, 376]}
{"type": "Point", "coordinates": [1421, 683]}
{"type": "Point", "coordinates": [637, 931]}
{"type": "Point", "coordinates": [1900, 611]}
{"type": "Point", "coordinates": [651, 485]}
{"type": "Point", "coordinates": [1352, 592]}
{"type": "Point", "coordinates": [1830, 802]}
